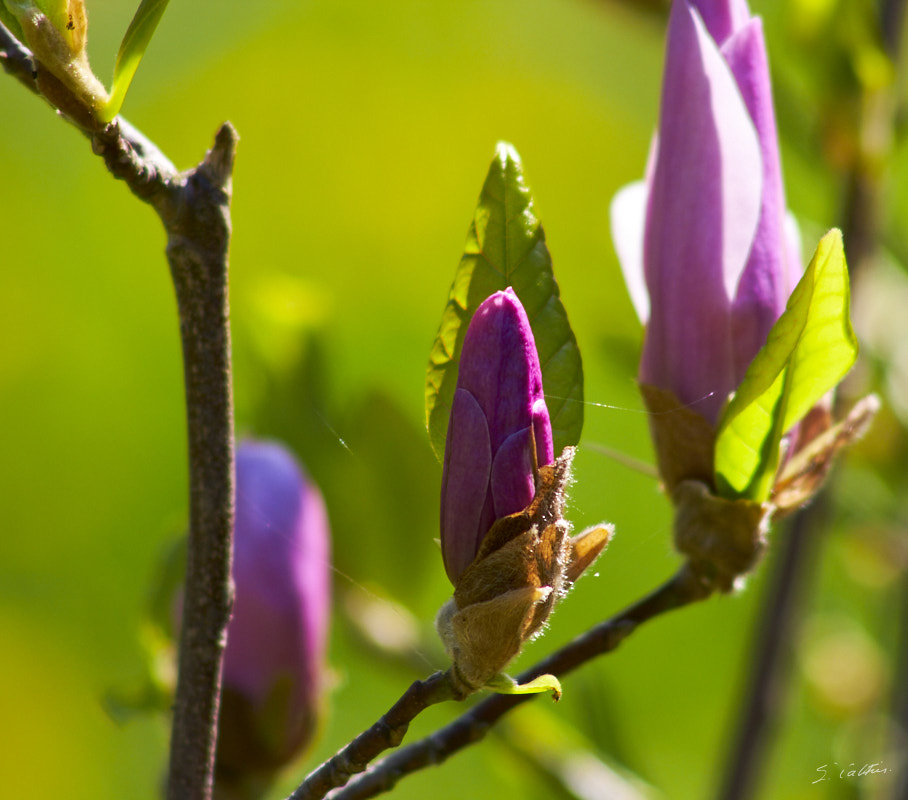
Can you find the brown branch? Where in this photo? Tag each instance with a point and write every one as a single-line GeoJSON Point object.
{"type": "Point", "coordinates": [133, 159]}
{"type": "Point", "coordinates": [194, 208]}
{"type": "Point", "coordinates": [900, 694]}
{"type": "Point", "coordinates": [892, 27]}
{"type": "Point", "coordinates": [770, 662]}
{"type": "Point", "coordinates": [388, 732]}
{"type": "Point", "coordinates": [198, 233]}
{"type": "Point", "coordinates": [684, 588]}
{"type": "Point", "coordinates": [17, 60]}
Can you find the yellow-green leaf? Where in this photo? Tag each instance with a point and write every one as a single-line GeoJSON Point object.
{"type": "Point", "coordinates": [132, 48]}
{"type": "Point", "coordinates": [8, 18]}
{"type": "Point", "coordinates": [808, 351]}
{"type": "Point", "coordinates": [505, 684]}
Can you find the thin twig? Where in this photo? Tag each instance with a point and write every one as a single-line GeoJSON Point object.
{"type": "Point", "coordinates": [17, 60]}
{"type": "Point", "coordinates": [892, 22]}
{"type": "Point", "coordinates": [772, 650]}
{"type": "Point", "coordinates": [876, 135]}
{"type": "Point", "coordinates": [900, 698]}
{"type": "Point", "coordinates": [894, 27]}
{"type": "Point", "coordinates": [388, 732]}
{"type": "Point", "coordinates": [198, 237]}
{"type": "Point", "coordinates": [684, 588]}
{"type": "Point", "coordinates": [194, 208]}
{"type": "Point", "coordinates": [131, 158]}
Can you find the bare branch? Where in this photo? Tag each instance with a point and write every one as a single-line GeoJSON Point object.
{"type": "Point", "coordinates": [194, 208]}
{"type": "Point", "coordinates": [388, 732]}
{"type": "Point", "coordinates": [17, 60]}
{"type": "Point", "coordinates": [131, 158]}
{"type": "Point", "coordinates": [684, 588]}
{"type": "Point", "coordinates": [197, 220]}
{"type": "Point", "coordinates": [772, 653]}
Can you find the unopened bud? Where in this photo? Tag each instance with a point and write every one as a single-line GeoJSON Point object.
{"type": "Point", "coordinates": [506, 544]}
{"type": "Point", "coordinates": [274, 661]}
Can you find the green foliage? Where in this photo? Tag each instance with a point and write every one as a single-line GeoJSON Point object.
{"type": "Point", "coordinates": [132, 48]}
{"type": "Point", "coordinates": [505, 684]}
{"type": "Point", "coordinates": [9, 20]}
{"type": "Point", "coordinates": [506, 247]}
{"type": "Point", "coordinates": [808, 351]}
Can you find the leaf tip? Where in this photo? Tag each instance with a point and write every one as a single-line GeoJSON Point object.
{"type": "Point", "coordinates": [831, 243]}
{"type": "Point", "coordinates": [505, 151]}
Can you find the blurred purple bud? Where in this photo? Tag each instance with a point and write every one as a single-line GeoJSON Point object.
{"type": "Point", "coordinates": [707, 250]}
{"type": "Point", "coordinates": [274, 661]}
{"type": "Point", "coordinates": [499, 430]}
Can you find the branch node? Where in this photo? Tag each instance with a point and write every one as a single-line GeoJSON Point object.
{"type": "Point", "coordinates": [391, 735]}
{"type": "Point", "coordinates": [685, 587]}
{"type": "Point", "coordinates": [218, 162]}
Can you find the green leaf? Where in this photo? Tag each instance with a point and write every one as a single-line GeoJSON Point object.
{"type": "Point", "coordinates": [506, 247]}
{"type": "Point", "coordinates": [808, 351]}
{"type": "Point", "coordinates": [8, 18]}
{"type": "Point", "coordinates": [132, 48]}
{"type": "Point", "coordinates": [154, 690]}
{"type": "Point", "coordinates": [505, 684]}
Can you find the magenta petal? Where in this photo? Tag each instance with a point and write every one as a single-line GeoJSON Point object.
{"type": "Point", "coordinates": [464, 484]}
{"type": "Point", "coordinates": [542, 433]}
{"type": "Point", "coordinates": [281, 574]}
{"type": "Point", "coordinates": [764, 286]}
{"type": "Point", "coordinates": [703, 208]}
{"type": "Point", "coordinates": [722, 17]}
{"type": "Point", "coordinates": [499, 365]}
{"type": "Point", "coordinates": [512, 480]}
{"type": "Point", "coordinates": [498, 402]}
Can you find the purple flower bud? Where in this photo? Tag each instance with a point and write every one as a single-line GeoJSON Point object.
{"type": "Point", "coordinates": [707, 250]}
{"type": "Point", "coordinates": [498, 432]}
{"type": "Point", "coordinates": [274, 661]}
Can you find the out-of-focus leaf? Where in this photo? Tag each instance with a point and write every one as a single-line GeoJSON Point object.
{"type": "Point", "coordinates": [808, 351]}
{"type": "Point", "coordinates": [10, 22]}
{"type": "Point", "coordinates": [154, 691]}
{"type": "Point", "coordinates": [168, 586]}
{"type": "Point", "coordinates": [506, 247]}
{"type": "Point", "coordinates": [132, 48]}
{"type": "Point", "coordinates": [397, 482]}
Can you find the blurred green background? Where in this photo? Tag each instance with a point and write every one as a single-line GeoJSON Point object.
{"type": "Point", "coordinates": [366, 132]}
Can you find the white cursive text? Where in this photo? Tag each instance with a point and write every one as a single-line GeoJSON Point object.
{"type": "Point", "coordinates": [828, 772]}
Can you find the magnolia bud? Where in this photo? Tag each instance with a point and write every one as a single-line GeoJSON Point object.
{"type": "Point", "coordinates": [499, 431]}
{"type": "Point", "coordinates": [505, 543]}
{"type": "Point", "coordinates": [708, 251]}
{"type": "Point", "coordinates": [274, 661]}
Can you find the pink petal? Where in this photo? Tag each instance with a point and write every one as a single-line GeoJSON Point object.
{"type": "Point", "coordinates": [464, 484]}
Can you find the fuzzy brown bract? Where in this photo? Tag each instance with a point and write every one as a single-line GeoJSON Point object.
{"type": "Point", "coordinates": [820, 439]}
{"type": "Point", "coordinates": [526, 563]}
{"type": "Point", "coordinates": [723, 539]}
